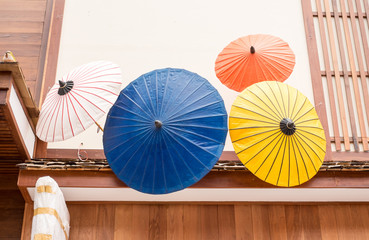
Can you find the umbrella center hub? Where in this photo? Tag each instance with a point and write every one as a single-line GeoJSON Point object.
{"type": "Point", "coordinates": [287, 126]}
{"type": "Point", "coordinates": [158, 124]}
{"type": "Point", "coordinates": [65, 87]}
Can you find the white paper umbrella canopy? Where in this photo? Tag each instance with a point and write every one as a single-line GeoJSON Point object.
{"type": "Point", "coordinates": [78, 100]}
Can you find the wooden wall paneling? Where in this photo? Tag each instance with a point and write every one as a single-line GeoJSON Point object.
{"type": "Point", "coordinates": [315, 72]}
{"type": "Point", "coordinates": [123, 222]}
{"type": "Point", "coordinates": [226, 221]}
{"type": "Point", "coordinates": [294, 222]}
{"type": "Point", "coordinates": [83, 221]}
{"type": "Point", "coordinates": [27, 221]}
{"type": "Point", "coordinates": [105, 222]}
{"type": "Point", "coordinates": [141, 221]}
{"type": "Point", "coordinates": [332, 101]}
{"type": "Point", "coordinates": [260, 222]}
{"type": "Point", "coordinates": [243, 221]}
{"type": "Point", "coordinates": [363, 29]}
{"type": "Point", "coordinates": [360, 220]}
{"type": "Point", "coordinates": [175, 222]}
{"type": "Point", "coordinates": [344, 221]}
{"type": "Point", "coordinates": [345, 76]}
{"type": "Point", "coordinates": [341, 105]}
{"type": "Point", "coordinates": [310, 222]}
{"type": "Point", "coordinates": [277, 221]}
{"type": "Point", "coordinates": [209, 222]}
{"type": "Point", "coordinates": [191, 222]}
{"type": "Point", "coordinates": [327, 220]}
{"type": "Point", "coordinates": [158, 222]}
{"type": "Point", "coordinates": [355, 80]}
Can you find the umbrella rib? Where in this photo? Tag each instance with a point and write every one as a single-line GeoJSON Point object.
{"type": "Point", "coordinates": [262, 140]}
{"type": "Point", "coordinates": [297, 164]}
{"type": "Point", "coordinates": [121, 107]}
{"type": "Point", "coordinates": [56, 118]}
{"type": "Point", "coordinates": [70, 122]}
{"type": "Point", "coordinates": [43, 118]}
{"type": "Point", "coordinates": [298, 148]}
{"type": "Point", "coordinates": [174, 166]}
{"type": "Point", "coordinates": [298, 135]}
{"type": "Point", "coordinates": [269, 152]}
{"type": "Point", "coordinates": [188, 96]}
{"type": "Point", "coordinates": [93, 94]}
{"type": "Point", "coordinates": [294, 105]}
{"type": "Point", "coordinates": [189, 150]}
{"type": "Point", "coordinates": [275, 97]}
{"type": "Point", "coordinates": [157, 97]}
{"type": "Point", "coordinates": [76, 112]}
{"type": "Point", "coordinates": [85, 81]}
{"type": "Point", "coordinates": [199, 117]}
{"type": "Point", "coordinates": [298, 139]}
{"type": "Point", "coordinates": [188, 140]}
{"type": "Point", "coordinates": [296, 121]}
{"type": "Point", "coordinates": [311, 133]}
{"type": "Point", "coordinates": [129, 126]}
{"type": "Point", "coordinates": [70, 93]}
{"type": "Point", "coordinates": [284, 152]}
{"type": "Point", "coordinates": [93, 104]}
{"type": "Point", "coordinates": [138, 164]}
{"type": "Point", "coordinates": [252, 119]}
{"type": "Point", "coordinates": [278, 113]}
{"type": "Point", "coordinates": [254, 127]}
{"type": "Point", "coordinates": [275, 114]}
{"type": "Point", "coordinates": [98, 88]}
{"type": "Point", "coordinates": [131, 100]}
{"type": "Point", "coordinates": [120, 135]}
{"type": "Point", "coordinates": [179, 156]}
{"type": "Point", "coordinates": [308, 120]}
{"type": "Point", "coordinates": [164, 94]}
{"type": "Point", "coordinates": [51, 119]}
{"type": "Point", "coordinates": [288, 101]}
{"type": "Point", "coordinates": [196, 134]}
{"type": "Point", "coordinates": [92, 74]}
{"type": "Point", "coordinates": [175, 100]}
{"type": "Point", "coordinates": [279, 150]}
{"type": "Point", "coordinates": [255, 113]}
{"type": "Point", "coordinates": [293, 118]}
{"type": "Point", "coordinates": [193, 110]}
{"type": "Point", "coordinates": [148, 94]}
{"type": "Point", "coordinates": [289, 160]}
{"type": "Point", "coordinates": [88, 71]}
{"type": "Point", "coordinates": [129, 119]}
{"type": "Point", "coordinates": [284, 106]}
{"type": "Point", "coordinates": [147, 107]}
{"type": "Point", "coordinates": [162, 162]}
{"type": "Point", "coordinates": [62, 121]}
{"type": "Point", "coordinates": [253, 135]}
{"type": "Point", "coordinates": [199, 126]}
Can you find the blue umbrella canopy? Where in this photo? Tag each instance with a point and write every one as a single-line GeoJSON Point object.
{"type": "Point", "coordinates": [165, 131]}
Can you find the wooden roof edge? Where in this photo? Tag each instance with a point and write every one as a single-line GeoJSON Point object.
{"type": "Point", "coordinates": [21, 85]}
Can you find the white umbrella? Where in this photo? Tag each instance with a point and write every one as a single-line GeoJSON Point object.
{"type": "Point", "coordinates": [78, 100]}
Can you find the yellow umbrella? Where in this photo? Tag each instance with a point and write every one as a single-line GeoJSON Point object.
{"type": "Point", "coordinates": [277, 134]}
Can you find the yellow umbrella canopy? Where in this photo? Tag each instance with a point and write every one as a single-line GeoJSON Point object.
{"type": "Point", "coordinates": [277, 134]}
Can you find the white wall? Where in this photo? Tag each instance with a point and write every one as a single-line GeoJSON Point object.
{"type": "Point", "coordinates": [142, 36]}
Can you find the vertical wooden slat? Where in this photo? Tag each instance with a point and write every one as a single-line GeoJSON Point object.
{"type": "Point", "coordinates": [191, 222]}
{"type": "Point", "coordinates": [123, 222]}
{"type": "Point", "coordinates": [260, 219]}
{"type": "Point", "coordinates": [277, 221]}
{"type": "Point", "coordinates": [310, 222]}
{"type": "Point", "coordinates": [332, 101]}
{"type": "Point", "coordinates": [294, 223]}
{"type": "Point", "coordinates": [83, 220]}
{"type": "Point", "coordinates": [327, 220]}
{"type": "Point", "coordinates": [360, 220]}
{"type": "Point", "coordinates": [209, 222]}
{"type": "Point", "coordinates": [243, 222]}
{"type": "Point", "coordinates": [363, 31]}
{"type": "Point", "coordinates": [345, 227]}
{"type": "Point", "coordinates": [354, 75]}
{"type": "Point", "coordinates": [315, 73]}
{"type": "Point", "coordinates": [226, 222]}
{"type": "Point", "coordinates": [345, 76]}
{"type": "Point", "coordinates": [105, 222]}
{"type": "Point", "coordinates": [337, 77]}
{"type": "Point", "coordinates": [175, 222]}
{"type": "Point", "coordinates": [140, 221]}
{"type": "Point", "coordinates": [158, 222]}
{"type": "Point", "coordinates": [27, 221]}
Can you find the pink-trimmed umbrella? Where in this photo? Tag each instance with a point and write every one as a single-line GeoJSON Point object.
{"type": "Point", "coordinates": [78, 100]}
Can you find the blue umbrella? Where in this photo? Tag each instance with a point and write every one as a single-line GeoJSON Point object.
{"type": "Point", "coordinates": [166, 131]}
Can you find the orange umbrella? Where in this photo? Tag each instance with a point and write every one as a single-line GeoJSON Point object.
{"type": "Point", "coordinates": [253, 59]}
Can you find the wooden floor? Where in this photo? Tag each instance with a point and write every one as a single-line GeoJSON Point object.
{"type": "Point", "coordinates": [236, 221]}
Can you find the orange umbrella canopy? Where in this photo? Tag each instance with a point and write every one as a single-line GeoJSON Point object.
{"type": "Point", "coordinates": [252, 59]}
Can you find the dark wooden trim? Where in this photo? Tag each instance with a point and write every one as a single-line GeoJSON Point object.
{"type": "Point", "coordinates": [315, 14]}
{"type": "Point", "coordinates": [349, 73]}
{"type": "Point", "coordinates": [214, 179]}
{"type": "Point", "coordinates": [315, 72]}
{"type": "Point", "coordinates": [43, 50]}
{"type": "Point", "coordinates": [51, 61]}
